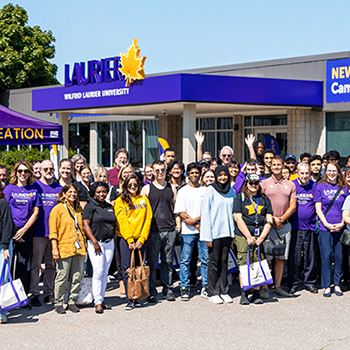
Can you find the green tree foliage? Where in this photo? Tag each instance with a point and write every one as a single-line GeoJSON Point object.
{"type": "Point", "coordinates": [10, 158]}
{"type": "Point", "coordinates": [24, 51]}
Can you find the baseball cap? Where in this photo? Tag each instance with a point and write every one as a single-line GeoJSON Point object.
{"type": "Point", "coordinates": [290, 156]}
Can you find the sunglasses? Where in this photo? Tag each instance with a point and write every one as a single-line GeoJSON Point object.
{"type": "Point", "coordinates": [194, 173]}
{"type": "Point", "coordinates": [48, 170]}
{"type": "Point", "coordinates": [133, 186]}
{"type": "Point", "coordinates": [253, 183]}
{"type": "Point", "coordinates": [22, 171]}
{"type": "Point", "coordinates": [227, 155]}
{"type": "Point", "coordinates": [160, 171]}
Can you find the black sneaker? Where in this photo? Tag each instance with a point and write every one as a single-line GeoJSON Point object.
{"type": "Point", "coordinates": [60, 309]}
{"type": "Point", "coordinates": [34, 301]}
{"type": "Point", "coordinates": [185, 294]}
{"type": "Point", "coordinates": [256, 299]}
{"type": "Point", "coordinates": [73, 308]}
{"type": "Point", "coordinates": [244, 300]}
{"type": "Point", "coordinates": [137, 303]}
{"type": "Point", "coordinates": [170, 295]}
{"type": "Point", "coordinates": [130, 305]}
{"type": "Point", "coordinates": [152, 299]}
{"type": "Point", "coordinates": [49, 299]}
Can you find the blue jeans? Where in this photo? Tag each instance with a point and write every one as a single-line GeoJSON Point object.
{"type": "Point", "coordinates": [186, 253]}
{"type": "Point", "coordinates": [330, 241]}
{"type": "Point", "coordinates": [1, 265]}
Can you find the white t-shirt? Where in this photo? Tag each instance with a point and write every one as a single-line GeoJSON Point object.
{"type": "Point", "coordinates": [189, 200]}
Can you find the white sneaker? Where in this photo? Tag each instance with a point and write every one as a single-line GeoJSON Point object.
{"type": "Point", "coordinates": [216, 299]}
{"type": "Point", "coordinates": [226, 298]}
{"type": "Point", "coordinates": [204, 293]}
{"type": "Point", "coordinates": [3, 318]}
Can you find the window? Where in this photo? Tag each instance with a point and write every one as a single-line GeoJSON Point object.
{"type": "Point", "coordinates": [218, 132]}
{"type": "Point", "coordinates": [265, 125]}
{"type": "Point", "coordinates": [337, 132]}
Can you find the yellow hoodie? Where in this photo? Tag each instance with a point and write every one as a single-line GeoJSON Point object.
{"type": "Point", "coordinates": [133, 224]}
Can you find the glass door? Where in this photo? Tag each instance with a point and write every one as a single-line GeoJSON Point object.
{"type": "Point", "coordinates": [280, 134]}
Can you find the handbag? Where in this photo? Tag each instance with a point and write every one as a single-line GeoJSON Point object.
{"type": "Point", "coordinates": [138, 282]}
{"type": "Point", "coordinates": [232, 265]}
{"type": "Point", "coordinates": [256, 274]}
{"type": "Point", "coordinates": [275, 246]}
{"type": "Point", "coordinates": [12, 294]}
{"type": "Point", "coordinates": [85, 294]}
{"type": "Point", "coordinates": [345, 237]}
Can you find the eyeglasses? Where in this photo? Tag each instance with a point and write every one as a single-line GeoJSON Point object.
{"type": "Point", "coordinates": [48, 170]}
{"type": "Point", "coordinates": [160, 171]}
{"type": "Point", "coordinates": [227, 155]}
{"type": "Point", "coordinates": [22, 171]}
{"type": "Point", "coordinates": [133, 186]}
{"type": "Point", "coordinates": [253, 183]}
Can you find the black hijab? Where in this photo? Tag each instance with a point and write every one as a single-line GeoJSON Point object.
{"type": "Point", "coordinates": [222, 188]}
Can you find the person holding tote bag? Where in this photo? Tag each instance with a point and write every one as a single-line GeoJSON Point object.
{"type": "Point", "coordinates": [68, 246]}
{"type": "Point", "coordinates": [134, 215]}
{"type": "Point", "coordinates": [6, 233]}
{"type": "Point", "coordinates": [253, 216]}
{"type": "Point", "coordinates": [217, 230]}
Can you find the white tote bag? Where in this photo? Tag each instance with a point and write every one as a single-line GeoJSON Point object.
{"type": "Point", "coordinates": [256, 274]}
{"type": "Point", "coordinates": [12, 294]}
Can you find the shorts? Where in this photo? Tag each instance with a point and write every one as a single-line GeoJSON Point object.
{"type": "Point", "coordinates": [242, 250]}
{"type": "Point", "coordinates": [285, 230]}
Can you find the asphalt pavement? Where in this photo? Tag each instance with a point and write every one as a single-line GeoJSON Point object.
{"type": "Point", "coordinates": [304, 321]}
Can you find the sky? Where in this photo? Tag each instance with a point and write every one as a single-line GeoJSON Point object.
{"type": "Point", "coordinates": [185, 34]}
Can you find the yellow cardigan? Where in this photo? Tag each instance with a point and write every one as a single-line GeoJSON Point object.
{"type": "Point", "coordinates": [133, 224]}
{"type": "Point", "coordinates": [62, 228]}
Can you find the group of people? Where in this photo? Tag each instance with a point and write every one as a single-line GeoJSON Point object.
{"type": "Point", "coordinates": [211, 207]}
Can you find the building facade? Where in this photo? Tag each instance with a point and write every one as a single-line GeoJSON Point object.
{"type": "Point", "coordinates": [302, 102]}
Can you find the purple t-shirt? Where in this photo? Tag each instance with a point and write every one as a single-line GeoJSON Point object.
{"type": "Point", "coordinates": [22, 201]}
{"type": "Point", "coordinates": [304, 217]}
{"type": "Point", "coordinates": [48, 195]}
{"type": "Point", "coordinates": [324, 193]}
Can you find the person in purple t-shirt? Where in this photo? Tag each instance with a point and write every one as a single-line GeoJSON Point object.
{"type": "Point", "coordinates": [48, 191]}
{"type": "Point", "coordinates": [331, 226]}
{"type": "Point", "coordinates": [304, 238]}
{"type": "Point", "coordinates": [24, 203]}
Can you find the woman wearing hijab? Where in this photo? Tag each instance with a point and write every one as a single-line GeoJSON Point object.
{"type": "Point", "coordinates": [217, 230]}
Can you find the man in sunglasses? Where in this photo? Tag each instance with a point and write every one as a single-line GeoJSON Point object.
{"type": "Point", "coordinates": [226, 155]}
{"type": "Point", "coordinates": [48, 191]}
{"type": "Point", "coordinates": [161, 239]}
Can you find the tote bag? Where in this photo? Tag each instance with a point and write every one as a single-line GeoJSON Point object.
{"type": "Point", "coordinates": [12, 294]}
{"type": "Point", "coordinates": [255, 274]}
{"type": "Point", "coordinates": [138, 282]}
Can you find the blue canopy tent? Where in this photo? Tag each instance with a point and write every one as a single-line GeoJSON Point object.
{"type": "Point", "coordinates": [20, 129]}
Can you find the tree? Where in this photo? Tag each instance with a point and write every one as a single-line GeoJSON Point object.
{"type": "Point", "coordinates": [24, 51]}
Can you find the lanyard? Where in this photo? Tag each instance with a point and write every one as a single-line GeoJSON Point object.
{"type": "Point", "coordinates": [256, 208]}
{"type": "Point", "coordinates": [75, 218]}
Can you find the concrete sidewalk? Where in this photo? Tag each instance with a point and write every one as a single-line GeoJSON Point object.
{"type": "Point", "coordinates": [304, 321]}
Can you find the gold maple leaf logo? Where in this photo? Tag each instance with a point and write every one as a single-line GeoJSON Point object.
{"type": "Point", "coordinates": [132, 64]}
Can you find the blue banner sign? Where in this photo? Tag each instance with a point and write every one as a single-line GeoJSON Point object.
{"type": "Point", "coordinates": [338, 81]}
